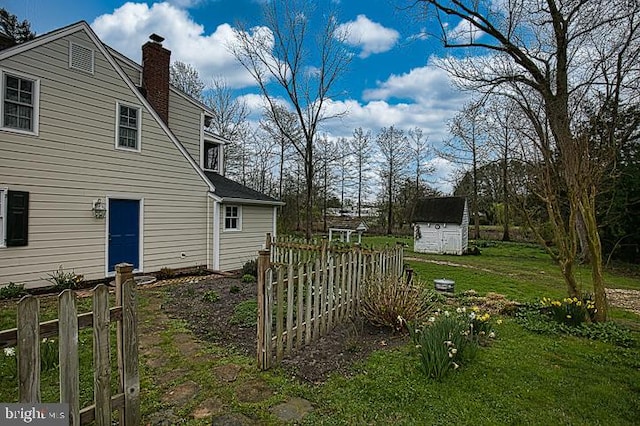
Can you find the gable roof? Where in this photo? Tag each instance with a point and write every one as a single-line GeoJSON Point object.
{"type": "Point", "coordinates": [84, 26]}
{"type": "Point", "coordinates": [440, 210]}
{"type": "Point", "coordinates": [233, 192]}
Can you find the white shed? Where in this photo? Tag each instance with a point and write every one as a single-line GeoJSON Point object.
{"type": "Point", "coordinates": [441, 225]}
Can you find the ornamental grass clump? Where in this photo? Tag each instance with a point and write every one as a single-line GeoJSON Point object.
{"type": "Point", "coordinates": [570, 310]}
{"type": "Point", "coordinates": [387, 298]}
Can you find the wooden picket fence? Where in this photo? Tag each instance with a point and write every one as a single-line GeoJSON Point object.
{"type": "Point", "coordinates": [299, 302]}
{"type": "Point", "coordinates": [29, 332]}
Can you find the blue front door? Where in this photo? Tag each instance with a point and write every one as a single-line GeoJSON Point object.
{"type": "Point", "coordinates": [124, 232]}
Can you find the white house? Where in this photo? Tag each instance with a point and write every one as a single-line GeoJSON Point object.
{"type": "Point", "coordinates": [102, 162]}
{"type": "Point", "coordinates": [441, 225]}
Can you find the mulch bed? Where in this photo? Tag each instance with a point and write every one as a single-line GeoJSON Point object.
{"type": "Point", "coordinates": [211, 321]}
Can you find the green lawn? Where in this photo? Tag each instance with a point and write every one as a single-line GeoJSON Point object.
{"type": "Point", "coordinates": [521, 378]}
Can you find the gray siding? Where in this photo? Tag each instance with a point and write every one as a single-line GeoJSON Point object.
{"type": "Point", "coordinates": [184, 120]}
{"type": "Point", "coordinates": [236, 247]}
{"type": "Point", "coordinates": [74, 161]}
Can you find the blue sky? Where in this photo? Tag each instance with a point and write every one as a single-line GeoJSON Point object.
{"type": "Point", "coordinates": [392, 80]}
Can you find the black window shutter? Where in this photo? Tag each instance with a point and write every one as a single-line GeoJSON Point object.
{"type": "Point", "coordinates": [17, 218]}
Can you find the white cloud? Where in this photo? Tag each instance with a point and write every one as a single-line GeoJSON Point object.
{"type": "Point", "coordinates": [370, 36]}
{"type": "Point", "coordinates": [128, 27]}
{"type": "Point", "coordinates": [428, 85]}
{"type": "Point", "coordinates": [443, 173]}
{"type": "Point", "coordinates": [464, 32]}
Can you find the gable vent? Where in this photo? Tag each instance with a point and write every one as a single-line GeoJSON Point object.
{"type": "Point", "coordinates": [81, 58]}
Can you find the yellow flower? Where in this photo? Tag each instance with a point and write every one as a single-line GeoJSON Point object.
{"type": "Point", "coordinates": [499, 322]}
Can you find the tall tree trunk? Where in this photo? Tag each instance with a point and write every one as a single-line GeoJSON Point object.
{"type": "Point", "coordinates": [309, 199]}
{"type": "Point", "coordinates": [584, 256]}
{"type": "Point", "coordinates": [587, 208]}
{"type": "Point", "coordinates": [505, 196]}
{"type": "Point", "coordinates": [390, 207]}
{"type": "Point", "coordinates": [476, 214]}
{"type": "Point", "coordinates": [281, 168]}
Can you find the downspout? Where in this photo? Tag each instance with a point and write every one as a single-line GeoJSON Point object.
{"type": "Point", "coordinates": [209, 266]}
{"type": "Point", "coordinates": [216, 233]}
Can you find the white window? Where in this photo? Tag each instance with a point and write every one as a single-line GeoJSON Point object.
{"type": "Point", "coordinates": [211, 156]}
{"type": "Point", "coordinates": [19, 103]}
{"type": "Point", "coordinates": [128, 121]}
{"type": "Point", "coordinates": [232, 218]}
{"type": "Point", "coordinates": [3, 216]}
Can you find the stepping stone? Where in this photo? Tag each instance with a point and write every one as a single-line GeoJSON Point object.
{"type": "Point", "coordinates": [169, 376]}
{"type": "Point", "coordinates": [232, 420]}
{"type": "Point", "coordinates": [181, 394]}
{"type": "Point", "coordinates": [164, 418]}
{"type": "Point", "coordinates": [253, 391]}
{"type": "Point", "coordinates": [207, 408]}
{"type": "Point", "coordinates": [293, 410]}
{"type": "Point", "coordinates": [227, 373]}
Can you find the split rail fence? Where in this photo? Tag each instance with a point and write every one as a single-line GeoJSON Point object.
{"type": "Point", "coordinates": [29, 332]}
{"type": "Point", "coordinates": [305, 290]}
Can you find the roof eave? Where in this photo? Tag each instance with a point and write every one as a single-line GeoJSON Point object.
{"type": "Point", "coordinates": [231, 200]}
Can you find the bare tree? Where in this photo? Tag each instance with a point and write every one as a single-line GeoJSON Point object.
{"type": "Point", "coordinates": [287, 121]}
{"type": "Point", "coordinates": [503, 118]}
{"type": "Point", "coordinates": [419, 151]}
{"type": "Point", "coordinates": [561, 54]}
{"type": "Point", "coordinates": [303, 67]}
{"type": "Point", "coordinates": [186, 78]}
{"type": "Point", "coordinates": [344, 165]}
{"type": "Point", "coordinates": [392, 143]}
{"type": "Point", "coordinates": [328, 152]}
{"type": "Point", "coordinates": [468, 147]}
{"type": "Point", "coordinates": [229, 121]}
{"type": "Point", "coordinates": [361, 144]}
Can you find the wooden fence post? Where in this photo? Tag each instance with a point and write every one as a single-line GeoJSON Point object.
{"type": "Point", "coordinates": [68, 354]}
{"type": "Point", "coordinates": [101, 358]}
{"type": "Point", "coordinates": [263, 314]}
{"type": "Point", "coordinates": [29, 349]}
{"type": "Point", "coordinates": [409, 272]}
{"type": "Point", "coordinates": [127, 342]}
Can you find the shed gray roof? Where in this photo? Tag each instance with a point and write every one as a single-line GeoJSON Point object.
{"type": "Point", "coordinates": [440, 210]}
{"type": "Point", "coordinates": [228, 189]}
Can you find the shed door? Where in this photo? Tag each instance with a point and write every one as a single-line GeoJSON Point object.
{"type": "Point", "coordinates": [451, 242]}
{"type": "Point", "coordinates": [124, 233]}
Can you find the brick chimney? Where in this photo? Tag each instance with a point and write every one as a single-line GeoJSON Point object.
{"type": "Point", "coordinates": [155, 75]}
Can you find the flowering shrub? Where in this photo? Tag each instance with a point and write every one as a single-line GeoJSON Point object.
{"type": "Point", "coordinates": [570, 310]}
{"type": "Point", "coordinates": [448, 339]}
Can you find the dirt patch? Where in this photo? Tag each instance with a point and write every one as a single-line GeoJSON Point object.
{"type": "Point", "coordinates": [212, 321]}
